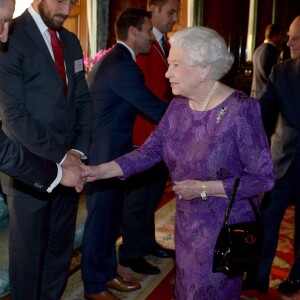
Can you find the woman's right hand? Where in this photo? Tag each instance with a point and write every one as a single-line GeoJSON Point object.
{"type": "Point", "coordinates": [102, 171]}
{"type": "Point", "coordinates": [92, 173]}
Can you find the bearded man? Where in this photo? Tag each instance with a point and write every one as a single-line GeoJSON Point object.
{"type": "Point", "coordinates": [46, 108]}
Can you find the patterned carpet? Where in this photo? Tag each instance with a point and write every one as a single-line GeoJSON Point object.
{"type": "Point", "coordinates": [74, 290]}
{"type": "Point", "coordinates": [282, 262]}
{"type": "Point", "coordinates": [161, 287]}
{"type": "Point", "coordinates": [164, 219]}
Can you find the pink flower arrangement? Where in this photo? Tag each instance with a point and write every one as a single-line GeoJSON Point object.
{"type": "Point", "coordinates": [90, 62]}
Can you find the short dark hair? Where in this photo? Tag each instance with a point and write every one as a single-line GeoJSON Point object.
{"type": "Point", "coordinates": [130, 17]}
{"type": "Point", "coordinates": [158, 3]}
{"type": "Point", "coordinates": [273, 29]}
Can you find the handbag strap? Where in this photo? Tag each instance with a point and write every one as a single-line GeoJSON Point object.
{"type": "Point", "coordinates": [232, 197]}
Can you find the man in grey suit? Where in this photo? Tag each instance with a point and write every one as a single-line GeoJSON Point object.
{"type": "Point", "coordinates": [50, 119]}
{"type": "Point", "coordinates": [264, 58]}
{"type": "Point", "coordinates": [280, 106]}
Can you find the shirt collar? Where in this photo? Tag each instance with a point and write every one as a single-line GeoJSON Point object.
{"type": "Point", "coordinates": [269, 42]}
{"type": "Point", "coordinates": [158, 35]}
{"type": "Point", "coordinates": [38, 20]}
{"type": "Point", "coordinates": [130, 50]}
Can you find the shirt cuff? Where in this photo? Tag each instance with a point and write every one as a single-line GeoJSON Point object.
{"type": "Point", "coordinates": [56, 180]}
{"type": "Point", "coordinates": [63, 159]}
{"type": "Point", "coordinates": [83, 156]}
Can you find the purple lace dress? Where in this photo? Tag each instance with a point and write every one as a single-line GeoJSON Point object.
{"type": "Point", "coordinates": [220, 144]}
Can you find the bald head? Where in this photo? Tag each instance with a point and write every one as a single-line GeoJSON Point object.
{"type": "Point", "coordinates": [7, 8]}
{"type": "Point", "coordinates": [294, 38]}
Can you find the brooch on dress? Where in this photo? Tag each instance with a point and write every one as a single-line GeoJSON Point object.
{"type": "Point", "coordinates": [222, 113]}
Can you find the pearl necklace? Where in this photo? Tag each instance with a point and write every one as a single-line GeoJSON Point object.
{"type": "Point", "coordinates": [206, 100]}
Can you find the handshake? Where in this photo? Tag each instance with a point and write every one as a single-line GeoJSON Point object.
{"type": "Point", "coordinates": [73, 171]}
{"type": "Point", "coordinates": [76, 174]}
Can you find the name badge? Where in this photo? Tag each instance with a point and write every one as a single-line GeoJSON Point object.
{"type": "Point", "coordinates": [78, 65]}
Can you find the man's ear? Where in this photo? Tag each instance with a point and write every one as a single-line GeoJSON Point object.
{"type": "Point", "coordinates": [154, 9]}
{"type": "Point", "coordinates": [132, 31]}
{"type": "Point", "coordinates": [35, 3]}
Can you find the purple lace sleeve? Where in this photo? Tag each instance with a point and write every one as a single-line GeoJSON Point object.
{"type": "Point", "coordinates": [254, 154]}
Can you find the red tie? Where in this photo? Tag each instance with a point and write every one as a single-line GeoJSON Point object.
{"type": "Point", "coordinates": [58, 56]}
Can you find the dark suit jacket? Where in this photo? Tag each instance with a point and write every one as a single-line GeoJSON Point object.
{"type": "Point", "coordinates": [264, 58]}
{"type": "Point", "coordinates": [118, 93]}
{"type": "Point", "coordinates": [24, 166]}
{"type": "Point", "coordinates": [33, 105]}
{"type": "Point", "coordinates": [280, 106]}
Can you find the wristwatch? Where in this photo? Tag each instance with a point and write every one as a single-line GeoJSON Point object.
{"type": "Point", "coordinates": [203, 192]}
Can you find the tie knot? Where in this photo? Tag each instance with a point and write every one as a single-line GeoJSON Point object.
{"type": "Point", "coordinates": [52, 32]}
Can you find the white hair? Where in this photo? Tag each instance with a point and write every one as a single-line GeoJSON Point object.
{"type": "Point", "coordinates": [204, 46]}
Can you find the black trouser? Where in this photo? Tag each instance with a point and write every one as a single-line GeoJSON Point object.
{"type": "Point", "coordinates": [272, 212]}
{"type": "Point", "coordinates": [144, 192]}
{"type": "Point", "coordinates": [41, 244]}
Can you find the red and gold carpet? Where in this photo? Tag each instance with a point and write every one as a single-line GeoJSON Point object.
{"type": "Point", "coordinates": [282, 262]}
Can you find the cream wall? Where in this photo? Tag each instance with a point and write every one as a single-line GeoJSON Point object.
{"type": "Point", "coordinates": [21, 5]}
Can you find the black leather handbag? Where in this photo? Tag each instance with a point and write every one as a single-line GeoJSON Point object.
{"type": "Point", "coordinates": [238, 247]}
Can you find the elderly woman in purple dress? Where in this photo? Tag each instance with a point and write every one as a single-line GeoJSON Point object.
{"type": "Point", "coordinates": [210, 135]}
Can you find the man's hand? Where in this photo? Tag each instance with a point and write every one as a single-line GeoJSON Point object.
{"type": "Point", "coordinates": [72, 176]}
{"type": "Point", "coordinates": [72, 157]}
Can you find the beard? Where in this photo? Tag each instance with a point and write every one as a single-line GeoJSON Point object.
{"type": "Point", "coordinates": [49, 19]}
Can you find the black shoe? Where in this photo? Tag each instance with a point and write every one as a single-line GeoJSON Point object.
{"type": "Point", "coordinates": [159, 251]}
{"type": "Point", "coordinates": [140, 265]}
{"type": "Point", "coordinates": [289, 286]}
{"type": "Point", "coordinates": [251, 284]}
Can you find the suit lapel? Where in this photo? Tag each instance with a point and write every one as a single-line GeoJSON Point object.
{"type": "Point", "coordinates": [157, 48]}
{"type": "Point", "coordinates": [70, 69]}
{"type": "Point", "coordinates": [294, 81]}
{"type": "Point", "coordinates": [37, 38]}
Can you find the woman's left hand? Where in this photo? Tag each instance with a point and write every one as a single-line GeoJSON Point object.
{"type": "Point", "coordinates": [187, 189]}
